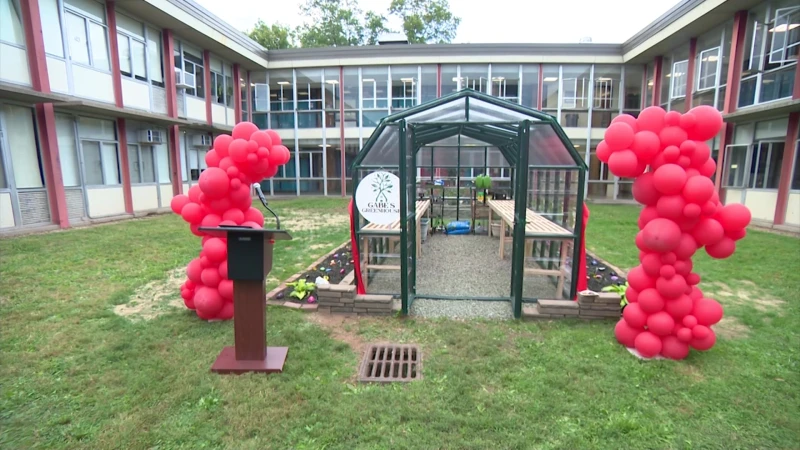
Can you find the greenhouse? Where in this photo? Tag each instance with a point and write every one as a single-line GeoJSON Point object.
{"type": "Point", "coordinates": [490, 199]}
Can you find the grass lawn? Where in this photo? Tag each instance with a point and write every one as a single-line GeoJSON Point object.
{"type": "Point", "coordinates": [74, 374]}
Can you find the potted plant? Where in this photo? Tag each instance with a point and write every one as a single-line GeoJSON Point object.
{"type": "Point", "coordinates": [619, 289]}
{"type": "Point", "coordinates": [483, 182]}
{"type": "Point", "coordinates": [301, 289]}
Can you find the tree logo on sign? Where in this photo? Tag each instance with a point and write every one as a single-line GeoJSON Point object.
{"type": "Point", "coordinates": [382, 186]}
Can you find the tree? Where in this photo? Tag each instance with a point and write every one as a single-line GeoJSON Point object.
{"type": "Point", "coordinates": [374, 26]}
{"type": "Point", "coordinates": [273, 37]}
{"type": "Point", "coordinates": [331, 23]}
{"type": "Point", "coordinates": [426, 21]}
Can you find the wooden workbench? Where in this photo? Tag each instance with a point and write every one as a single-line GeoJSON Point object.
{"type": "Point", "coordinates": [536, 228]}
{"type": "Point", "coordinates": [391, 230]}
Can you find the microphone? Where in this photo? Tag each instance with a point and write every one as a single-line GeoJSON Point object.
{"type": "Point", "coordinates": [263, 199]}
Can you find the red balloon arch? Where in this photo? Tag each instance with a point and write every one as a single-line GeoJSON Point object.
{"type": "Point", "coordinates": [667, 155]}
{"type": "Point", "coordinates": [222, 196]}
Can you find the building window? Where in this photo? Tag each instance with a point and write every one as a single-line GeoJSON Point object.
{"type": "Point", "coordinates": [132, 48]}
{"type": "Point", "coordinates": [191, 76]}
{"type": "Point", "coordinates": [429, 83]}
{"type": "Point", "coordinates": [632, 100]}
{"type": "Point", "coordinates": [350, 98]}
{"type": "Point", "coordinates": [765, 165]}
{"type": "Point", "coordinates": [217, 88]}
{"type": "Point", "coordinates": [736, 160]}
{"type": "Point", "coordinates": [405, 87]}
{"type": "Point", "coordinates": [506, 82]}
{"type": "Point", "coordinates": [141, 160]}
{"type": "Point", "coordinates": [679, 78]}
{"type": "Point", "coordinates": [476, 77]}
{"type": "Point", "coordinates": [769, 65]}
{"type": "Point", "coordinates": [785, 33]}
{"type": "Point", "coordinates": [99, 151]}
{"type": "Point", "coordinates": [229, 87]}
{"type": "Point", "coordinates": [23, 150]}
{"type": "Point", "coordinates": [576, 81]}
{"type": "Point", "coordinates": [281, 99]}
{"type": "Point", "coordinates": [707, 69]}
{"type": "Point", "coordinates": [550, 87]}
{"type": "Point", "coordinates": [374, 94]}
{"type": "Point", "coordinates": [795, 186]}
{"type": "Point", "coordinates": [309, 98]}
{"type": "Point", "coordinates": [87, 34]}
{"type": "Point", "coordinates": [11, 30]}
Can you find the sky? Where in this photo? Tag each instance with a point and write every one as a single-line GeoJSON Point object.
{"type": "Point", "coordinates": [482, 21]}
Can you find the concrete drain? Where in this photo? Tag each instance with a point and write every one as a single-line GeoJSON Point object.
{"type": "Point", "coordinates": [386, 363]}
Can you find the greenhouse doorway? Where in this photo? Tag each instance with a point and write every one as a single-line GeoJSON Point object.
{"type": "Point", "coordinates": [455, 237]}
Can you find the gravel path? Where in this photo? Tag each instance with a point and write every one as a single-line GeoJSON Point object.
{"type": "Point", "coordinates": [462, 309]}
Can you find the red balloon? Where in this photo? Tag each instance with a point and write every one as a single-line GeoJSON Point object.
{"type": "Point", "coordinates": [194, 193]}
{"type": "Point", "coordinates": [687, 122]}
{"type": "Point", "coordinates": [204, 261]}
{"type": "Point", "coordinates": [639, 240]}
{"type": "Point", "coordinates": [619, 136]}
{"type": "Point", "coordinates": [688, 147]}
{"type": "Point", "coordinates": [651, 119]}
{"type": "Point", "coordinates": [234, 215]}
{"type": "Point", "coordinates": [226, 164]}
{"type": "Point", "coordinates": [634, 316]}
{"type": "Point", "coordinates": [701, 154]}
{"type": "Point", "coordinates": [221, 205]}
{"type": "Point", "coordinates": [189, 302]}
{"type": "Point", "coordinates": [254, 215]}
{"type": "Point", "coordinates": [250, 224]}
{"type": "Point", "coordinates": [626, 118]}
{"type": "Point", "coordinates": [708, 168]}
{"type": "Point", "coordinates": [648, 213]}
{"type": "Point", "coordinates": [214, 183]}
{"type": "Point", "coordinates": [651, 264]}
{"type": "Point", "coordinates": [212, 158]}
{"type": "Point", "coordinates": [263, 139]}
{"type": "Point", "coordinates": [660, 323]}
{"type": "Point", "coordinates": [243, 130]}
{"type": "Point", "coordinates": [673, 348]}
{"type": "Point", "coordinates": [722, 249]}
{"type": "Point", "coordinates": [276, 155]}
{"type": "Point", "coordinates": [221, 144]}
{"type": "Point", "coordinates": [631, 294]}
{"type": "Point", "coordinates": [216, 250]}
{"type": "Point", "coordinates": [208, 302]}
{"type": "Point", "coordinates": [672, 136]}
{"type": "Point", "coordinates": [226, 289]}
{"type": "Point", "coordinates": [672, 153]}
{"type": "Point", "coordinates": [700, 331]}
{"type": "Point", "coordinates": [684, 335]}
{"type": "Point", "coordinates": [639, 280]}
{"type": "Point", "coordinates": [223, 270]}
{"type": "Point", "coordinates": [734, 216]}
{"type": "Point", "coordinates": [603, 152]}
{"type": "Point", "coordinates": [707, 311]}
{"type": "Point", "coordinates": [650, 301]}
{"type": "Point", "coordinates": [195, 231]}
{"type": "Point", "coordinates": [689, 321]}
{"type": "Point", "coordinates": [671, 288]}
{"type": "Point", "coordinates": [704, 343]}
{"type": "Point", "coordinates": [193, 270]}
{"type": "Point", "coordinates": [686, 246]}
{"type": "Point", "coordinates": [226, 313]}
{"type": "Point", "coordinates": [192, 213]}
{"type": "Point", "coordinates": [683, 267]}
{"type": "Point", "coordinates": [696, 293]}
{"type": "Point", "coordinates": [671, 207]}
{"type": "Point", "coordinates": [211, 221]}
{"type": "Point", "coordinates": [252, 158]}
{"type": "Point", "coordinates": [210, 277]}
{"type": "Point", "coordinates": [672, 119]}
{"type": "Point", "coordinates": [698, 190]}
{"type": "Point", "coordinates": [657, 162]}
{"type": "Point", "coordinates": [646, 145]}
{"type": "Point", "coordinates": [669, 258]}
{"type": "Point", "coordinates": [241, 197]}
{"type": "Point", "coordinates": [708, 122]}
{"type": "Point", "coordinates": [737, 234]}
{"type": "Point", "coordinates": [679, 307]}
{"type": "Point", "coordinates": [708, 232]}
{"type": "Point", "coordinates": [692, 211]}
{"type": "Point", "coordinates": [625, 334]}
{"type": "Point", "coordinates": [178, 202]}
{"type": "Point", "coordinates": [661, 235]}
{"type": "Point", "coordinates": [684, 162]}
{"type": "Point", "coordinates": [644, 191]}
{"type": "Point", "coordinates": [238, 150]}
{"type": "Point", "coordinates": [693, 279]}
{"type": "Point", "coordinates": [276, 138]}
{"type": "Point", "coordinates": [667, 271]}
{"type": "Point", "coordinates": [624, 163]}
{"type": "Point", "coordinates": [648, 344]}
{"type": "Point", "coordinates": [669, 179]}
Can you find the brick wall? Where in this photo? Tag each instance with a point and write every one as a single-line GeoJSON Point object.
{"type": "Point", "coordinates": [590, 305]}
{"type": "Point", "coordinates": [342, 299]}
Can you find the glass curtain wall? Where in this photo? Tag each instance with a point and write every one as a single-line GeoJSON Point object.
{"type": "Point", "coordinates": [575, 96]}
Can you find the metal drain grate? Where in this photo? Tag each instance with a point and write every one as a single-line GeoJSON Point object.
{"type": "Point", "coordinates": [385, 363]}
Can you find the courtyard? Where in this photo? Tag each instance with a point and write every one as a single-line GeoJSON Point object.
{"type": "Point", "coordinates": [98, 352]}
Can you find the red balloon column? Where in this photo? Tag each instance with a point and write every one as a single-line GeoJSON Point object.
{"type": "Point", "coordinates": [222, 197]}
{"type": "Point", "coordinates": [667, 155]}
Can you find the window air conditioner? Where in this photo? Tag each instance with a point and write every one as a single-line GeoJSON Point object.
{"type": "Point", "coordinates": [201, 140]}
{"type": "Point", "coordinates": [150, 137]}
{"type": "Point", "coordinates": [184, 80]}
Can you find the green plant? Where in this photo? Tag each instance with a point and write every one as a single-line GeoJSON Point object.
{"type": "Point", "coordinates": [618, 289]}
{"type": "Point", "coordinates": [483, 182]}
{"type": "Point", "coordinates": [301, 288]}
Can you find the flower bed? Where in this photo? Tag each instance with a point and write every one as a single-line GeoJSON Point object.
{"type": "Point", "coordinates": [336, 266]}
{"type": "Point", "coordinates": [601, 274]}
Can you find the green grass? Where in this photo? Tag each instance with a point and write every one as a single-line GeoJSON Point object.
{"type": "Point", "coordinates": [76, 375]}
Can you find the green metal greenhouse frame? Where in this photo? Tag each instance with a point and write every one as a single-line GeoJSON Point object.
{"type": "Point", "coordinates": [498, 123]}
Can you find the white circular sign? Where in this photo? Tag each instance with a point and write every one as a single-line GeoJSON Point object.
{"type": "Point", "coordinates": [378, 198]}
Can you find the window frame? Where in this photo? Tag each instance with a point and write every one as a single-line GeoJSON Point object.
{"type": "Point", "coordinates": [87, 22]}
{"type": "Point", "coordinates": [700, 66]}
{"type": "Point", "coordinates": [197, 93]}
{"type": "Point", "coordinates": [682, 78]}
{"type": "Point", "coordinates": [145, 40]}
{"type": "Point", "coordinates": [779, 13]}
{"type": "Point", "coordinates": [138, 150]}
{"type": "Point", "coordinates": [17, 6]}
{"type": "Point", "coordinates": [755, 158]}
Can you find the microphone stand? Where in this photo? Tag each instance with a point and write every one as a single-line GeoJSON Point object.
{"type": "Point", "coordinates": [263, 199]}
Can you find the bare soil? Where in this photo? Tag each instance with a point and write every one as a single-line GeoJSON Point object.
{"type": "Point", "coordinates": [154, 298]}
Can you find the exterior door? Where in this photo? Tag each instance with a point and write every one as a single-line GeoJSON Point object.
{"type": "Point", "coordinates": [520, 216]}
{"type": "Point", "coordinates": [408, 221]}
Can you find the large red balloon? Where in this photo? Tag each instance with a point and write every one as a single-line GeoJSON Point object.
{"type": "Point", "coordinates": [221, 144]}
{"type": "Point", "coordinates": [648, 213]}
{"type": "Point", "coordinates": [210, 277]}
{"type": "Point", "coordinates": [619, 136]}
{"type": "Point", "coordinates": [671, 288]}
{"type": "Point", "coordinates": [243, 130]}
{"type": "Point", "coordinates": [669, 179]}
{"type": "Point", "coordinates": [679, 307]}
{"type": "Point", "coordinates": [708, 122]}
{"type": "Point", "coordinates": [708, 232]}
{"type": "Point", "coordinates": [707, 311]}
{"type": "Point", "coordinates": [650, 301]}
{"type": "Point", "coordinates": [671, 207]}
{"type": "Point", "coordinates": [241, 197]}
{"type": "Point", "coordinates": [276, 138]}
{"type": "Point", "coordinates": [646, 145]}
{"type": "Point", "coordinates": [212, 158]}
{"type": "Point", "coordinates": [700, 155]}
{"type": "Point", "coordinates": [639, 280]}
{"type": "Point", "coordinates": [672, 136]}
{"type": "Point", "coordinates": [698, 189]}
{"type": "Point", "coordinates": [626, 118]}
{"type": "Point", "coordinates": [651, 264]}
{"type": "Point", "coordinates": [194, 194]}
{"type": "Point", "coordinates": [660, 323]}
{"type": "Point", "coordinates": [192, 213]}
{"type": "Point", "coordinates": [178, 202]}
{"type": "Point", "coordinates": [216, 250]}
{"type": "Point", "coordinates": [238, 151]}
{"type": "Point", "coordinates": [214, 183]}
{"type": "Point", "coordinates": [673, 348]}
{"type": "Point", "coordinates": [603, 152]}
{"type": "Point", "coordinates": [634, 316]}
{"type": "Point", "coordinates": [211, 221]}
{"type": "Point", "coordinates": [722, 249]}
{"type": "Point", "coordinates": [194, 269]}
{"type": "Point", "coordinates": [661, 235]}
{"type": "Point", "coordinates": [648, 344]}
{"type": "Point", "coordinates": [625, 334]}
{"type": "Point", "coordinates": [226, 289]}
{"type": "Point", "coordinates": [734, 216]}
{"type": "Point", "coordinates": [624, 164]}
{"type": "Point", "coordinates": [263, 139]}
{"type": "Point", "coordinates": [708, 168]}
{"type": "Point", "coordinates": [644, 191]}
{"type": "Point", "coordinates": [704, 343]}
{"type": "Point", "coordinates": [234, 214]}
{"type": "Point", "coordinates": [207, 301]}
{"type": "Point", "coordinates": [651, 119]}
{"type": "Point", "coordinates": [254, 215]}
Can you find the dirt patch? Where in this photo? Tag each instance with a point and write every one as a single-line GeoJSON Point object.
{"type": "Point", "coordinates": [154, 298]}
{"type": "Point", "coordinates": [690, 371]}
{"type": "Point", "coordinates": [341, 328]}
{"type": "Point", "coordinates": [301, 222]}
{"type": "Point", "coordinates": [746, 293]}
{"type": "Point", "coordinates": [730, 328]}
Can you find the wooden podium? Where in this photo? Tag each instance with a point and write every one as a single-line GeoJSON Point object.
{"type": "Point", "coordinates": [249, 262]}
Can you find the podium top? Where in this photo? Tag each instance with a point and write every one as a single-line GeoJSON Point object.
{"type": "Point", "coordinates": [278, 235]}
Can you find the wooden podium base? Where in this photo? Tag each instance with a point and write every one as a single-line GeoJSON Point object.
{"type": "Point", "coordinates": [227, 363]}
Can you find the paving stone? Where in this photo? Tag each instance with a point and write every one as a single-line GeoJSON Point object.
{"type": "Point", "coordinates": [310, 307]}
{"type": "Point", "coordinates": [564, 311]}
{"type": "Point", "coordinates": [569, 304]}
{"type": "Point", "coordinates": [339, 309]}
{"type": "Point", "coordinates": [292, 305]}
